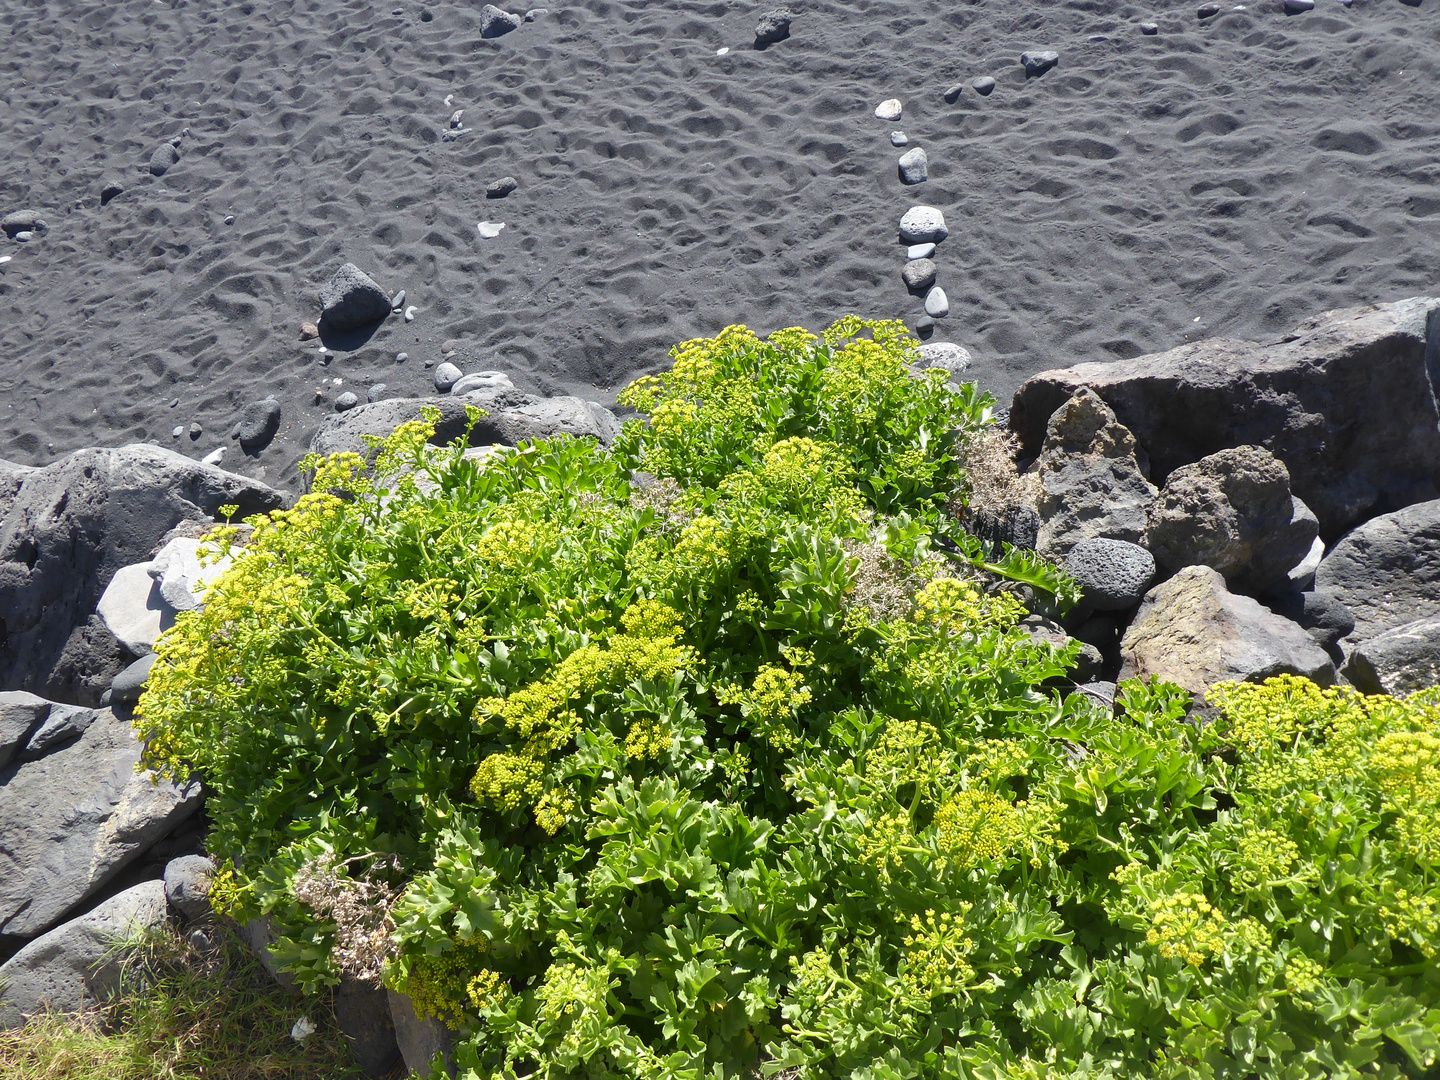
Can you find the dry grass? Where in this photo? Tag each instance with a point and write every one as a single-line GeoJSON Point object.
{"type": "Point", "coordinates": [186, 1015]}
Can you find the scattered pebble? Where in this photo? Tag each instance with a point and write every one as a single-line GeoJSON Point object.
{"type": "Point", "coordinates": [723, 51]}
{"type": "Point", "coordinates": [919, 274]}
{"type": "Point", "coordinates": [455, 117]}
{"type": "Point", "coordinates": [24, 237]}
{"type": "Point", "coordinates": [502, 187]}
{"type": "Point", "coordinates": [401, 357]}
{"type": "Point", "coordinates": [1039, 62]}
{"type": "Point", "coordinates": [983, 85]}
{"type": "Point", "coordinates": [429, 363]}
{"type": "Point", "coordinates": [1207, 11]}
{"type": "Point", "coordinates": [1149, 29]}
{"type": "Point", "coordinates": [339, 382]}
{"type": "Point", "coordinates": [309, 331]}
{"type": "Point", "coordinates": [937, 304]}
{"type": "Point", "coordinates": [196, 430]}
{"type": "Point", "coordinates": [164, 156]}
{"type": "Point", "coordinates": [923, 225]}
{"type": "Point", "coordinates": [109, 191]}
{"type": "Point", "coordinates": [898, 138]}
{"type": "Point", "coordinates": [449, 98]}
{"type": "Point", "coordinates": [924, 326]}
{"type": "Point", "coordinates": [919, 251]}
{"type": "Point", "coordinates": [489, 231]}
{"type": "Point", "coordinates": [952, 94]}
{"type": "Point", "coordinates": [773, 26]}
{"type": "Point", "coordinates": [4, 259]}
{"type": "Point", "coordinates": [535, 13]}
{"type": "Point", "coordinates": [22, 221]}
{"type": "Point", "coordinates": [494, 22]}
{"type": "Point", "coordinates": [179, 430]}
{"type": "Point", "coordinates": [889, 109]}
{"type": "Point", "coordinates": [346, 401]}
{"type": "Point", "coordinates": [397, 302]}
{"type": "Point", "coordinates": [1299, 7]}
{"type": "Point", "coordinates": [376, 392]}
{"type": "Point", "coordinates": [175, 403]}
{"type": "Point", "coordinates": [481, 380]}
{"type": "Point", "coordinates": [410, 313]}
{"type": "Point", "coordinates": [446, 376]}
{"type": "Point", "coordinates": [322, 349]}
{"type": "Point", "coordinates": [257, 423]}
{"type": "Point", "coordinates": [914, 168]}
{"type": "Point", "coordinates": [449, 345]}
{"type": "Point", "coordinates": [213, 458]}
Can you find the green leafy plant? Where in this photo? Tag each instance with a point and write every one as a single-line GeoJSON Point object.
{"type": "Point", "coordinates": [722, 752]}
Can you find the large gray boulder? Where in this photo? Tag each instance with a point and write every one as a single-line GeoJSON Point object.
{"type": "Point", "coordinates": [21, 715]}
{"type": "Point", "coordinates": [1232, 511]}
{"type": "Point", "coordinates": [1092, 484]}
{"type": "Point", "coordinates": [1345, 401]}
{"type": "Point", "coordinates": [64, 532]}
{"type": "Point", "coordinates": [63, 724]}
{"type": "Point", "coordinates": [351, 300]}
{"type": "Point", "coordinates": [1399, 660]}
{"type": "Point", "coordinates": [77, 965]}
{"type": "Point", "coordinates": [1192, 631]}
{"type": "Point", "coordinates": [1387, 572]}
{"type": "Point", "coordinates": [1114, 574]}
{"type": "Point", "coordinates": [1319, 612]}
{"type": "Point", "coordinates": [74, 819]}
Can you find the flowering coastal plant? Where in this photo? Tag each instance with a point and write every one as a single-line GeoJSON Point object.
{"type": "Point", "coordinates": [721, 753]}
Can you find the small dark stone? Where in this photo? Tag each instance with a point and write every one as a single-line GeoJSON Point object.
{"type": "Point", "coordinates": [952, 95]}
{"type": "Point", "coordinates": [1149, 29]}
{"type": "Point", "coordinates": [352, 300]}
{"type": "Point", "coordinates": [164, 156]}
{"type": "Point", "coordinates": [257, 424]}
{"type": "Point", "coordinates": [1298, 7]}
{"type": "Point", "coordinates": [346, 401]}
{"type": "Point", "coordinates": [126, 687]}
{"type": "Point", "coordinates": [1037, 63]}
{"type": "Point", "coordinates": [919, 274]}
{"type": "Point", "coordinates": [502, 187]}
{"type": "Point", "coordinates": [494, 22]}
{"type": "Point", "coordinates": [1207, 11]}
{"type": "Point", "coordinates": [109, 191]}
{"type": "Point", "coordinates": [773, 26]}
{"type": "Point", "coordinates": [984, 85]}
{"type": "Point", "coordinates": [924, 326]}
{"type": "Point", "coordinates": [1320, 612]}
{"type": "Point", "coordinates": [196, 430]}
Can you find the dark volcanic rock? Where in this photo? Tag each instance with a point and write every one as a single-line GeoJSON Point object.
{"type": "Point", "coordinates": [502, 187]}
{"type": "Point", "coordinates": [1113, 573]}
{"type": "Point", "coordinates": [21, 714]}
{"type": "Point", "coordinates": [1039, 62]}
{"type": "Point", "coordinates": [352, 300]}
{"type": "Point", "coordinates": [1387, 572]}
{"type": "Point", "coordinates": [1345, 401]}
{"type": "Point", "coordinates": [257, 424]}
{"type": "Point", "coordinates": [773, 26]}
{"type": "Point", "coordinates": [64, 532]}
{"type": "Point", "coordinates": [1320, 612]}
{"type": "Point", "coordinates": [165, 155]}
{"type": "Point", "coordinates": [1401, 660]}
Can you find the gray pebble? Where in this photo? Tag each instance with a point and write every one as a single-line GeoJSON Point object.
{"type": "Point", "coordinates": [1207, 11]}
{"type": "Point", "coordinates": [397, 301]}
{"type": "Point", "coordinates": [1038, 62]}
{"type": "Point", "coordinates": [925, 326]}
{"type": "Point", "coordinates": [446, 376]}
{"type": "Point", "coordinates": [346, 401]}
{"type": "Point", "coordinates": [481, 380]}
{"type": "Point", "coordinates": [919, 274]}
{"type": "Point", "coordinates": [257, 424]}
{"type": "Point", "coordinates": [24, 236]}
{"type": "Point", "coordinates": [401, 357]}
{"type": "Point", "coordinates": [1149, 29]}
{"type": "Point", "coordinates": [164, 156]}
{"type": "Point", "coordinates": [229, 219]}
{"type": "Point", "coordinates": [773, 26]}
{"type": "Point", "coordinates": [179, 430]}
{"type": "Point", "coordinates": [196, 430]}
{"type": "Point", "coordinates": [923, 225]}
{"type": "Point", "coordinates": [919, 251]}
{"type": "Point", "coordinates": [952, 95]}
{"type": "Point", "coordinates": [937, 304]}
{"type": "Point", "coordinates": [983, 85]}
{"type": "Point", "coordinates": [109, 191]}
{"type": "Point", "coordinates": [889, 109]}
{"type": "Point", "coordinates": [175, 403]}
{"type": "Point", "coordinates": [1299, 7]}
{"type": "Point", "coordinates": [535, 13]}
{"type": "Point", "coordinates": [494, 22]}
{"type": "Point", "coordinates": [914, 168]}
{"type": "Point", "coordinates": [449, 345]}
{"type": "Point", "coordinates": [898, 138]}
{"type": "Point", "coordinates": [502, 187]}
{"type": "Point", "coordinates": [376, 392]}
{"type": "Point", "coordinates": [455, 117]}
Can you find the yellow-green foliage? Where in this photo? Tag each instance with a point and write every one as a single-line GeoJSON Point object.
{"type": "Point", "coordinates": [741, 765]}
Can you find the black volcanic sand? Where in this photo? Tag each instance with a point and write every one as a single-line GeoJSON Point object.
{"type": "Point", "coordinates": [1227, 176]}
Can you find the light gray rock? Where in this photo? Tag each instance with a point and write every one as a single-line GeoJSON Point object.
{"type": "Point", "coordinates": [420, 1038]}
{"type": "Point", "coordinates": [1344, 400]}
{"type": "Point", "coordinates": [919, 251]}
{"type": "Point", "coordinates": [18, 221]}
{"type": "Point", "coordinates": [946, 355]}
{"type": "Point", "coordinates": [481, 380]}
{"type": "Point", "coordinates": [376, 392]}
{"type": "Point", "coordinates": [1038, 62]}
{"type": "Point", "coordinates": [1232, 511]}
{"type": "Point", "coordinates": [184, 566]}
{"type": "Point", "coordinates": [352, 300]}
{"type": "Point", "coordinates": [64, 724]}
{"type": "Point", "coordinates": [502, 187]}
{"type": "Point", "coordinates": [923, 225]}
{"type": "Point", "coordinates": [446, 376]}
{"type": "Point", "coordinates": [494, 22]}
{"type": "Point", "coordinates": [66, 529]}
{"type": "Point", "coordinates": [899, 138]}
{"type": "Point", "coordinates": [187, 885]}
{"type": "Point", "coordinates": [1114, 574]}
{"type": "Point", "coordinates": [919, 274]}
{"type": "Point", "coordinates": [1398, 661]}
{"type": "Point", "coordinates": [164, 156]}
{"type": "Point", "coordinates": [126, 688]}
{"type": "Point", "coordinates": [550, 417]}
{"type": "Point", "coordinates": [889, 109]}
{"type": "Point", "coordinates": [937, 304]}
{"type": "Point", "coordinates": [984, 85]}
{"type": "Point", "coordinates": [74, 819]}
{"type": "Point", "coordinates": [914, 166]}
{"type": "Point", "coordinates": [133, 610]}
{"type": "Point", "coordinates": [1192, 631]}
{"type": "Point", "coordinates": [21, 715]}
{"type": "Point", "coordinates": [1302, 574]}
{"type": "Point", "coordinates": [76, 966]}
{"type": "Point", "coordinates": [1387, 572]}
{"type": "Point", "coordinates": [1092, 484]}
{"type": "Point", "coordinates": [952, 93]}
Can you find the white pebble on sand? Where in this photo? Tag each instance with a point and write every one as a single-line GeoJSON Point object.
{"type": "Point", "coordinates": [889, 109]}
{"type": "Point", "coordinates": [898, 138]}
{"type": "Point", "coordinates": [490, 230]}
{"type": "Point", "coordinates": [4, 259]}
{"type": "Point", "coordinates": [722, 52]}
{"type": "Point", "coordinates": [919, 251]}
{"type": "Point", "coordinates": [410, 313]}
{"type": "Point", "coordinates": [213, 458]}
{"type": "Point", "coordinates": [937, 304]}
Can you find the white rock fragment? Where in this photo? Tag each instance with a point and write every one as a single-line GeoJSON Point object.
{"type": "Point", "coordinates": [490, 230]}
{"type": "Point", "coordinates": [937, 304]}
{"type": "Point", "coordinates": [213, 458]}
{"type": "Point", "coordinates": [722, 52]}
{"type": "Point", "coordinates": [410, 313]}
{"type": "Point", "coordinates": [889, 109]}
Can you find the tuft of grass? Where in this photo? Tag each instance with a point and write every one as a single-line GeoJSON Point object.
{"type": "Point", "coordinates": [184, 1014]}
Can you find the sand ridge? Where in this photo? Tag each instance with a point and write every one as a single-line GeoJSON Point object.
{"type": "Point", "coordinates": [1243, 171]}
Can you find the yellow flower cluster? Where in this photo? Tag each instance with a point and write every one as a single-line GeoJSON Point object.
{"type": "Point", "coordinates": [672, 416]}
{"type": "Point", "coordinates": [647, 739]}
{"type": "Point", "coordinates": [908, 751]}
{"type": "Point", "coordinates": [508, 545]}
{"type": "Point", "coordinates": [771, 700]}
{"type": "Point", "coordinates": [569, 989]}
{"type": "Point", "coordinates": [956, 607]}
{"type": "Point", "coordinates": [554, 810]}
{"type": "Point", "coordinates": [1260, 857]}
{"type": "Point", "coordinates": [438, 986]}
{"type": "Point", "coordinates": [506, 779]}
{"type": "Point", "coordinates": [886, 842]}
{"type": "Point", "coordinates": [1185, 926]}
{"type": "Point", "coordinates": [1415, 920]}
{"type": "Point", "coordinates": [975, 826]}
{"type": "Point", "coordinates": [487, 991]}
{"type": "Point", "coordinates": [1302, 975]}
{"type": "Point", "coordinates": [936, 954]}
